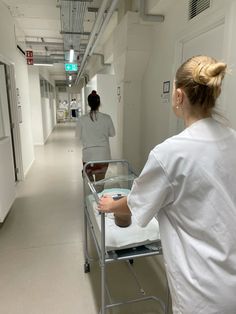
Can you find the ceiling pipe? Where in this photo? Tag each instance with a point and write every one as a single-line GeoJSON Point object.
{"type": "Point", "coordinates": [51, 56]}
{"type": "Point", "coordinates": [40, 43]}
{"type": "Point", "coordinates": [92, 36]}
{"type": "Point", "coordinates": [107, 19]}
{"type": "Point", "coordinates": [77, 0]}
{"type": "Point", "coordinates": [149, 17]}
{"type": "Point", "coordinates": [59, 1]}
{"type": "Point", "coordinates": [75, 33]}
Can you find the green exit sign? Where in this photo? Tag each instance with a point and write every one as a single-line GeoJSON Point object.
{"type": "Point", "coordinates": [70, 67]}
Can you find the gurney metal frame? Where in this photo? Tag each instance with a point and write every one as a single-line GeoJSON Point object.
{"type": "Point", "coordinates": [114, 255]}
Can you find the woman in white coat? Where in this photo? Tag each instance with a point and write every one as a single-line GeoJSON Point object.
{"type": "Point", "coordinates": [189, 182]}
{"type": "Point", "coordinates": [94, 130]}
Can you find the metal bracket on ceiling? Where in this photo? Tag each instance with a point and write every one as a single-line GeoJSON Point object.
{"type": "Point", "coordinates": [149, 17]}
{"type": "Point", "coordinates": [75, 33]}
{"type": "Point", "coordinates": [45, 43]}
{"type": "Point", "coordinates": [93, 9]}
{"type": "Point", "coordinates": [76, 0]}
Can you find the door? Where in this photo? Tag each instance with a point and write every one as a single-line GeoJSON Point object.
{"type": "Point", "coordinates": [208, 43]}
{"type": "Point", "coordinates": [6, 127]}
{"type": "Point", "coordinates": [2, 132]}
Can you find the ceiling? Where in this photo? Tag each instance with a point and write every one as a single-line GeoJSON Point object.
{"type": "Point", "coordinates": [51, 27]}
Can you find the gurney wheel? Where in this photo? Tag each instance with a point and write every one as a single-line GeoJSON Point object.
{"type": "Point", "coordinates": [131, 261]}
{"type": "Point", "coordinates": [86, 268]}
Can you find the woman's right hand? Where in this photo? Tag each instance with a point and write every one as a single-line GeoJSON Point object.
{"type": "Point", "coordinates": [105, 204]}
{"type": "Point", "coordinates": [108, 205]}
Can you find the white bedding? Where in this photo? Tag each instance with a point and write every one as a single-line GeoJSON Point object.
{"type": "Point", "coordinates": [116, 237]}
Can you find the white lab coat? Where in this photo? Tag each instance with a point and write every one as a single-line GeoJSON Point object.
{"type": "Point", "coordinates": [94, 136]}
{"type": "Point", "coordinates": [189, 181]}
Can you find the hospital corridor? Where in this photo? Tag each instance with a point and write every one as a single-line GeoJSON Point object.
{"type": "Point", "coordinates": [117, 156]}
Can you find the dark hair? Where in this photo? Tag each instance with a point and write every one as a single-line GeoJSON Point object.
{"type": "Point", "coordinates": [94, 103]}
{"type": "Point", "coordinates": [201, 78]}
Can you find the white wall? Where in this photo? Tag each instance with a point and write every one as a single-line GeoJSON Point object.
{"type": "Point", "coordinates": [36, 109]}
{"type": "Point", "coordinates": [230, 56]}
{"type": "Point", "coordinates": [132, 42]}
{"type": "Point", "coordinates": [7, 178]}
{"type": "Point", "coordinates": [43, 109]}
{"type": "Point", "coordinates": [166, 56]}
{"type": "Point", "coordinates": [147, 115]}
{"type": "Point", "coordinates": [9, 53]}
{"type": "Point", "coordinates": [54, 106]}
{"type": "Point", "coordinates": [83, 100]}
{"type": "Point", "coordinates": [22, 82]}
{"type": "Point", "coordinates": [48, 107]}
{"type": "Point", "coordinates": [44, 72]}
{"type": "Point", "coordinates": [5, 128]}
{"type": "Point", "coordinates": [48, 117]}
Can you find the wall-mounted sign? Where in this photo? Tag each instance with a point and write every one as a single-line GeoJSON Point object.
{"type": "Point", "coordinates": [166, 87]}
{"type": "Point", "coordinates": [71, 67]}
{"type": "Point", "coordinates": [30, 61]}
{"type": "Point", "coordinates": [29, 57]}
{"type": "Point", "coordinates": [29, 54]}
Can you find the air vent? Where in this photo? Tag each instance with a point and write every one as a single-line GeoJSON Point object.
{"type": "Point", "coordinates": [197, 6]}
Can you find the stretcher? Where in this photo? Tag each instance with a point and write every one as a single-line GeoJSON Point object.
{"type": "Point", "coordinates": [112, 242]}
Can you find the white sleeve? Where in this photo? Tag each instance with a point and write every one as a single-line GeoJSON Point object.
{"type": "Point", "coordinates": [150, 192]}
{"type": "Point", "coordinates": [111, 129]}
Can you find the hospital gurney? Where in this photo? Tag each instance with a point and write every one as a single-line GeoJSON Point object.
{"type": "Point", "coordinates": [114, 243]}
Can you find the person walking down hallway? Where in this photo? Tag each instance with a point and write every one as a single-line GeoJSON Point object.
{"type": "Point", "coordinates": [189, 182]}
{"type": "Point", "coordinates": [94, 130]}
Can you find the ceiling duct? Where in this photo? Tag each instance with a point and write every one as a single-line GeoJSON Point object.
{"type": "Point", "coordinates": [72, 15]}
{"type": "Point", "coordinates": [97, 31]}
{"type": "Point", "coordinates": [149, 17]}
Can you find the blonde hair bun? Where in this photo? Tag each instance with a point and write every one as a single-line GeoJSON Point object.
{"type": "Point", "coordinates": [201, 78]}
{"type": "Point", "coordinates": [209, 74]}
{"type": "Point", "coordinates": [216, 69]}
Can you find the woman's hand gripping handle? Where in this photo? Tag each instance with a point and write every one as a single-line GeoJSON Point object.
{"type": "Point", "coordinates": [108, 205]}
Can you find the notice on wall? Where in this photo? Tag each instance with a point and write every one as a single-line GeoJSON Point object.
{"type": "Point", "coordinates": [165, 99]}
{"type": "Point", "coordinates": [165, 96]}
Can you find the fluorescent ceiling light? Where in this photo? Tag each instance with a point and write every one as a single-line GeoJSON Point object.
{"type": "Point", "coordinates": [44, 64]}
{"type": "Point", "coordinates": [70, 77]}
{"type": "Point", "coordinates": [69, 85]}
{"type": "Point", "coordinates": [71, 55]}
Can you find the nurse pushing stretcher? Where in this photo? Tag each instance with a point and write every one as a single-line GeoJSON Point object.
{"type": "Point", "coordinates": [189, 182]}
